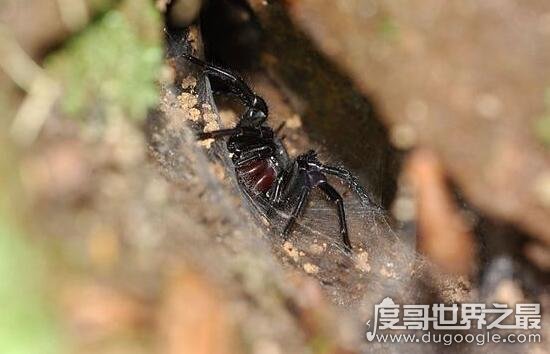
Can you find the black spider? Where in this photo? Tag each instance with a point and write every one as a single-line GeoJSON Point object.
{"type": "Point", "coordinates": [262, 164]}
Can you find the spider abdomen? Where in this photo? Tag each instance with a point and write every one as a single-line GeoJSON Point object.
{"type": "Point", "coordinates": [258, 175]}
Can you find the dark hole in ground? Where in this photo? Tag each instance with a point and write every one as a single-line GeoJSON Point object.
{"type": "Point", "coordinates": [500, 252]}
{"type": "Point", "coordinates": [505, 260]}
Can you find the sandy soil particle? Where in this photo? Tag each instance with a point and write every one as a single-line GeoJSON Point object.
{"type": "Point", "coordinates": [310, 268]}
{"type": "Point", "coordinates": [316, 249]}
{"type": "Point", "coordinates": [362, 262]}
{"type": "Point", "coordinates": [189, 82]}
{"type": "Point", "coordinates": [291, 251]}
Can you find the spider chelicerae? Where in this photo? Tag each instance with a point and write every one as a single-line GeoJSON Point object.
{"type": "Point", "coordinates": [262, 164]}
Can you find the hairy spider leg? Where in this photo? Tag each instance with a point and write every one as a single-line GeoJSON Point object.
{"type": "Point", "coordinates": [278, 131]}
{"type": "Point", "coordinates": [257, 110]}
{"type": "Point", "coordinates": [351, 180]}
{"type": "Point", "coordinates": [240, 88]}
{"type": "Point", "coordinates": [337, 199]}
{"type": "Point", "coordinates": [298, 209]}
{"type": "Point", "coordinates": [262, 132]}
{"type": "Point", "coordinates": [279, 187]}
{"type": "Point", "coordinates": [216, 134]}
{"type": "Point", "coordinates": [333, 196]}
{"type": "Point", "coordinates": [280, 127]}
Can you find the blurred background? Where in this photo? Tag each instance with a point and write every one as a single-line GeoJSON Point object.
{"type": "Point", "coordinates": [118, 234]}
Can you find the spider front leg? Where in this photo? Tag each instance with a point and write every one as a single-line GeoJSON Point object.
{"type": "Point", "coordinates": [233, 82]}
{"type": "Point", "coordinates": [337, 199]}
{"type": "Point", "coordinates": [297, 211]}
{"type": "Point", "coordinates": [352, 181]}
{"type": "Point", "coordinates": [216, 134]}
{"type": "Point", "coordinates": [256, 112]}
{"type": "Point", "coordinates": [261, 133]}
{"type": "Point", "coordinates": [277, 192]}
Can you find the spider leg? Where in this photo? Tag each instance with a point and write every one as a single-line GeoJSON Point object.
{"type": "Point", "coordinates": [262, 133]}
{"type": "Point", "coordinates": [256, 112]}
{"type": "Point", "coordinates": [234, 83]}
{"type": "Point", "coordinates": [351, 180]}
{"type": "Point", "coordinates": [216, 134]}
{"type": "Point", "coordinates": [279, 187]}
{"type": "Point", "coordinates": [280, 127]}
{"type": "Point", "coordinates": [298, 209]}
{"type": "Point", "coordinates": [336, 198]}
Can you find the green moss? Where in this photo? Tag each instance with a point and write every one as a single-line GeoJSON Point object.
{"type": "Point", "coordinates": [542, 130]}
{"type": "Point", "coordinates": [320, 344]}
{"type": "Point", "coordinates": [27, 324]}
{"type": "Point", "coordinates": [114, 63]}
{"type": "Point", "coordinates": [100, 5]}
{"type": "Point", "coordinates": [542, 124]}
{"type": "Point", "coordinates": [388, 29]}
